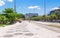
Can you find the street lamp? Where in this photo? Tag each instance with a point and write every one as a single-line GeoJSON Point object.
{"type": "Point", "coordinates": [15, 5]}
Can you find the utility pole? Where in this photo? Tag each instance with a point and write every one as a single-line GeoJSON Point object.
{"type": "Point", "coordinates": [29, 18]}
{"type": "Point", "coordinates": [45, 7]}
{"type": "Point", "coordinates": [15, 5]}
{"type": "Point", "coordinates": [45, 10]}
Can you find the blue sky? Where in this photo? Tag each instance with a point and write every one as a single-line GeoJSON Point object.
{"type": "Point", "coordinates": [32, 6]}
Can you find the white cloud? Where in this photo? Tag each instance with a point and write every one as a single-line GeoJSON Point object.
{"type": "Point", "coordinates": [34, 7]}
{"type": "Point", "coordinates": [10, 0]}
{"type": "Point", "coordinates": [55, 8]}
{"type": "Point", "coordinates": [2, 3]}
{"type": "Point", "coordinates": [39, 8]}
{"type": "Point", "coordinates": [2, 0]}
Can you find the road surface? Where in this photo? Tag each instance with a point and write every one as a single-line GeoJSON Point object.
{"type": "Point", "coordinates": [27, 30]}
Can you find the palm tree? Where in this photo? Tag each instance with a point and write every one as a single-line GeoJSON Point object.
{"type": "Point", "coordinates": [8, 10]}
{"type": "Point", "coordinates": [10, 14]}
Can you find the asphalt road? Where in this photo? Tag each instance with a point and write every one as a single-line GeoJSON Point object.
{"type": "Point", "coordinates": [27, 29]}
{"type": "Point", "coordinates": [45, 25]}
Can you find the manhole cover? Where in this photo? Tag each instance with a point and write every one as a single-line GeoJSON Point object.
{"type": "Point", "coordinates": [58, 36]}
{"type": "Point", "coordinates": [10, 31]}
{"type": "Point", "coordinates": [29, 34]}
{"type": "Point", "coordinates": [26, 31]}
{"type": "Point", "coordinates": [9, 35]}
{"type": "Point", "coordinates": [18, 33]}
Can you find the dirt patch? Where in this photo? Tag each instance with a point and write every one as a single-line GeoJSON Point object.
{"type": "Point", "coordinates": [54, 25]}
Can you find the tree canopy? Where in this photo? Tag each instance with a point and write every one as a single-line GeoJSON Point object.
{"type": "Point", "coordinates": [8, 15]}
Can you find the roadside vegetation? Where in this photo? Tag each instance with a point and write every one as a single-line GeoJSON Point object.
{"type": "Point", "coordinates": [54, 16]}
{"type": "Point", "coordinates": [8, 16]}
